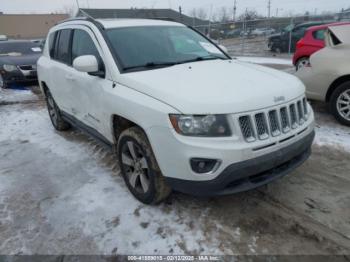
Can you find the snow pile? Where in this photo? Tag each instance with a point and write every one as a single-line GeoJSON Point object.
{"type": "Point", "coordinates": [16, 95]}
{"type": "Point", "coordinates": [333, 135]}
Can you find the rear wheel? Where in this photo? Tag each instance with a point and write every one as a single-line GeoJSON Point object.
{"type": "Point", "coordinates": [340, 103]}
{"type": "Point", "coordinates": [55, 114]}
{"type": "Point", "coordinates": [302, 62]}
{"type": "Point", "coordinates": [139, 167]}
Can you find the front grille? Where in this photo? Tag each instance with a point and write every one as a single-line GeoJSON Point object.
{"type": "Point", "coordinates": [26, 67]}
{"type": "Point", "coordinates": [262, 125]}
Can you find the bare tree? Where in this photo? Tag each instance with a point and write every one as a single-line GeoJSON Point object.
{"type": "Point", "coordinates": [223, 14]}
{"type": "Point", "coordinates": [249, 15]}
{"type": "Point", "coordinates": [68, 9]}
{"type": "Point", "coordinates": [199, 13]}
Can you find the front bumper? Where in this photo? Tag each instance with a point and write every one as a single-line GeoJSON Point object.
{"type": "Point", "coordinates": [249, 174]}
{"type": "Point", "coordinates": [19, 77]}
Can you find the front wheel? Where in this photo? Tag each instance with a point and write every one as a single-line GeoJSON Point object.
{"type": "Point", "coordinates": [2, 82]}
{"type": "Point", "coordinates": [139, 167]}
{"type": "Point", "coordinates": [340, 103]}
{"type": "Point", "coordinates": [55, 114]}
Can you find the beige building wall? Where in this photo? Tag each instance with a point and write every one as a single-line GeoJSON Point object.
{"type": "Point", "coordinates": [28, 26]}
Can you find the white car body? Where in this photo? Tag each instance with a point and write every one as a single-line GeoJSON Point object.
{"type": "Point", "coordinates": [328, 65]}
{"type": "Point", "coordinates": [148, 97]}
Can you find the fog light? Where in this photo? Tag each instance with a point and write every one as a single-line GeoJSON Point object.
{"type": "Point", "coordinates": [202, 166]}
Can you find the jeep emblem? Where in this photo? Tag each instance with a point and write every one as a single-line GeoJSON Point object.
{"type": "Point", "coordinates": [279, 99]}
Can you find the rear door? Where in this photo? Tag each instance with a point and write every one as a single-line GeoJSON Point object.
{"type": "Point", "coordinates": [60, 82]}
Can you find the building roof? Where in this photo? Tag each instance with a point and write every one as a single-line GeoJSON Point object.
{"type": "Point", "coordinates": [143, 13]}
{"type": "Point", "coordinates": [28, 26]}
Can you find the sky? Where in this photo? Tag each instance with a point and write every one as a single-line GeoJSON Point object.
{"type": "Point", "coordinates": [283, 6]}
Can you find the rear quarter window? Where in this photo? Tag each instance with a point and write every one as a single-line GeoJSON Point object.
{"type": "Point", "coordinates": [52, 41]}
{"type": "Point", "coordinates": [63, 53]}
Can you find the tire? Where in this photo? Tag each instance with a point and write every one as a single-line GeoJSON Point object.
{"type": "Point", "coordinates": [340, 103]}
{"type": "Point", "coordinates": [55, 114]}
{"type": "Point", "coordinates": [3, 84]}
{"type": "Point", "coordinates": [139, 167]}
{"type": "Point", "coordinates": [302, 62]}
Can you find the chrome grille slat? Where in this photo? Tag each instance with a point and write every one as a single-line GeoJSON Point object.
{"type": "Point", "coordinates": [262, 125]}
{"type": "Point", "coordinates": [285, 120]}
{"type": "Point", "coordinates": [247, 128]}
{"type": "Point", "coordinates": [274, 123]}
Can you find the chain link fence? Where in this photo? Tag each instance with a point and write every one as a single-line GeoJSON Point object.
{"type": "Point", "coordinates": [266, 37]}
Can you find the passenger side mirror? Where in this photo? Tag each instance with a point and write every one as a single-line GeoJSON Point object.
{"type": "Point", "coordinates": [88, 64]}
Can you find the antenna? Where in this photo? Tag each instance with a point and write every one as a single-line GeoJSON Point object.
{"type": "Point", "coordinates": [77, 1]}
{"type": "Point", "coordinates": [269, 9]}
{"type": "Point", "coordinates": [234, 10]}
{"type": "Point", "coordinates": [86, 14]}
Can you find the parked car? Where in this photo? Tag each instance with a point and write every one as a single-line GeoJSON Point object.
{"type": "Point", "coordinates": [312, 41]}
{"type": "Point", "coordinates": [18, 60]}
{"type": "Point", "coordinates": [3, 38]}
{"type": "Point", "coordinates": [233, 33]}
{"type": "Point", "coordinates": [327, 78]}
{"type": "Point", "coordinates": [263, 31]}
{"type": "Point", "coordinates": [289, 36]}
{"type": "Point", "coordinates": [181, 114]}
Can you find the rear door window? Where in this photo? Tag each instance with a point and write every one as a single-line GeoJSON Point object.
{"type": "Point", "coordinates": [319, 34]}
{"type": "Point", "coordinates": [63, 53]}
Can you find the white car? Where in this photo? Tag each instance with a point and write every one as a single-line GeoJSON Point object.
{"type": "Point", "coordinates": [327, 76]}
{"type": "Point", "coordinates": [179, 112]}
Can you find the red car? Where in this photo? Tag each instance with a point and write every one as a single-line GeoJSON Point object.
{"type": "Point", "coordinates": [312, 41]}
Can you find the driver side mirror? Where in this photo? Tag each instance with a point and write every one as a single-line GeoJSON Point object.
{"type": "Point", "coordinates": [88, 64]}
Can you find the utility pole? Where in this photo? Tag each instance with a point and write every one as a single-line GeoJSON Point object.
{"type": "Point", "coordinates": [180, 11]}
{"type": "Point", "coordinates": [269, 9]}
{"type": "Point", "coordinates": [234, 10]}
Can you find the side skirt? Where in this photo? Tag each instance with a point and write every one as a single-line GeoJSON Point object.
{"type": "Point", "coordinates": [87, 130]}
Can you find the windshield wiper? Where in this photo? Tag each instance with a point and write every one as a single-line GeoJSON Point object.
{"type": "Point", "coordinates": [151, 65]}
{"type": "Point", "coordinates": [202, 58]}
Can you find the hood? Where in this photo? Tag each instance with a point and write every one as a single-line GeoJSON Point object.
{"type": "Point", "coordinates": [216, 87]}
{"type": "Point", "coordinates": [20, 60]}
{"type": "Point", "coordinates": [275, 36]}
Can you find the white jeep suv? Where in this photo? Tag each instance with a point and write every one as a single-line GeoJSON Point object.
{"type": "Point", "coordinates": [177, 110]}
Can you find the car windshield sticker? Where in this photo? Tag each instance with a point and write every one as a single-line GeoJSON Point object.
{"type": "Point", "coordinates": [210, 48]}
{"type": "Point", "coordinates": [36, 49]}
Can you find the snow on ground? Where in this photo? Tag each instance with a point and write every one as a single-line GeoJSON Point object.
{"type": "Point", "coordinates": [265, 60]}
{"type": "Point", "coordinates": [16, 95]}
{"type": "Point", "coordinates": [100, 199]}
{"type": "Point", "coordinates": [333, 134]}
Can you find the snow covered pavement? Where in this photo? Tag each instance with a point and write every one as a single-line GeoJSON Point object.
{"type": "Point", "coordinates": [61, 193]}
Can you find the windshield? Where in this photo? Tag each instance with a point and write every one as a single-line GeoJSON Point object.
{"type": "Point", "coordinates": [19, 48]}
{"type": "Point", "coordinates": [137, 47]}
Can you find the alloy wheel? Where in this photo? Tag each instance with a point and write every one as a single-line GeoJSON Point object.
{"type": "Point", "coordinates": [136, 167]}
{"type": "Point", "coordinates": [343, 104]}
{"type": "Point", "coordinates": [302, 63]}
{"type": "Point", "coordinates": [52, 110]}
{"type": "Point", "coordinates": [1, 81]}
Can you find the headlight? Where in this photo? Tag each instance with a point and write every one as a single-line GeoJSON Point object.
{"type": "Point", "coordinates": [9, 68]}
{"type": "Point", "coordinates": [201, 125]}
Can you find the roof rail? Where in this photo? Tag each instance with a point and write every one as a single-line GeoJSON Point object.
{"type": "Point", "coordinates": [87, 17]}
